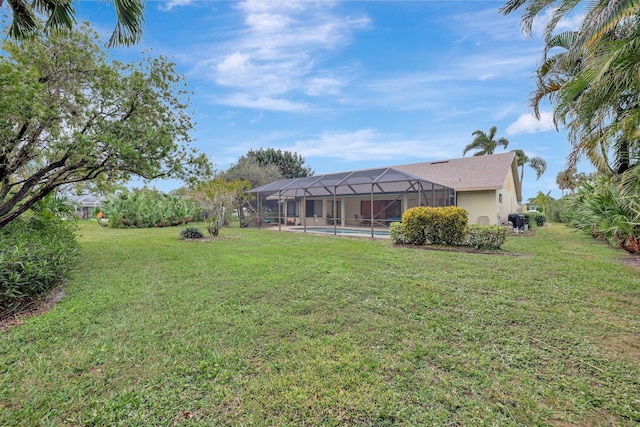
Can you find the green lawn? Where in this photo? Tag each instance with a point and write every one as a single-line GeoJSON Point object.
{"type": "Point", "coordinates": [267, 328]}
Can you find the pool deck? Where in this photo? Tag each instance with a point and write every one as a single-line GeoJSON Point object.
{"type": "Point", "coordinates": [378, 232]}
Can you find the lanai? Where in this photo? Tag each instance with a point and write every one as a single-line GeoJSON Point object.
{"type": "Point", "coordinates": [362, 183]}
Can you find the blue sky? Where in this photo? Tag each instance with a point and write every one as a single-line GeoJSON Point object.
{"type": "Point", "coordinates": [350, 84]}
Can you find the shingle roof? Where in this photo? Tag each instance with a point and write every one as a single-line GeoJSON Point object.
{"type": "Point", "coordinates": [468, 173]}
{"type": "Point", "coordinates": [465, 174]}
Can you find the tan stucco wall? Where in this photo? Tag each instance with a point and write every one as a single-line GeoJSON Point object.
{"type": "Point", "coordinates": [509, 202]}
{"type": "Point", "coordinates": [479, 203]}
{"type": "Point", "coordinates": [496, 204]}
{"type": "Point", "coordinates": [351, 207]}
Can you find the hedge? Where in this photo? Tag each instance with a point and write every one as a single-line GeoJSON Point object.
{"type": "Point", "coordinates": [442, 225]}
{"type": "Point", "coordinates": [486, 236]}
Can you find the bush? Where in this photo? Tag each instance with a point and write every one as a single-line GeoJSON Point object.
{"type": "Point", "coordinates": [396, 233]}
{"type": "Point", "coordinates": [556, 209]}
{"type": "Point", "coordinates": [601, 208]}
{"type": "Point", "coordinates": [442, 225]}
{"type": "Point", "coordinates": [191, 233]}
{"type": "Point", "coordinates": [539, 218]}
{"type": "Point", "coordinates": [486, 236]}
{"type": "Point", "coordinates": [148, 208]}
{"type": "Point", "coordinates": [535, 219]}
{"type": "Point", "coordinates": [36, 255]}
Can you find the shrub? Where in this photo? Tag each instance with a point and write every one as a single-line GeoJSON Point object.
{"type": "Point", "coordinates": [148, 208]}
{"type": "Point", "coordinates": [486, 236]}
{"type": "Point", "coordinates": [535, 219]}
{"type": "Point", "coordinates": [601, 208]}
{"type": "Point", "coordinates": [36, 254]}
{"type": "Point", "coordinates": [539, 218]}
{"type": "Point", "coordinates": [396, 233]}
{"type": "Point", "coordinates": [442, 225]}
{"type": "Point", "coordinates": [556, 209]}
{"type": "Point", "coordinates": [191, 233]}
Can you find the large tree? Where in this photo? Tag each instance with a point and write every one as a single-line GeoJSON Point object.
{"type": "Point", "coordinates": [61, 15]}
{"type": "Point", "coordinates": [218, 198]}
{"type": "Point", "coordinates": [592, 79]}
{"type": "Point", "coordinates": [248, 169]}
{"type": "Point", "coordinates": [70, 115]}
{"type": "Point", "coordinates": [290, 165]}
{"type": "Point", "coordinates": [485, 143]}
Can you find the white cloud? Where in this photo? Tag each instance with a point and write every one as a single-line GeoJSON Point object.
{"type": "Point", "coordinates": [503, 63]}
{"type": "Point", "coordinates": [369, 144]}
{"type": "Point", "coordinates": [234, 69]}
{"type": "Point", "coordinates": [170, 4]}
{"type": "Point", "coordinates": [527, 123]}
{"type": "Point", "coordinates": [570, 22]}
{"type": "Point", "coordinates": [267, 22]}
{"type": "Point", "coordinates": [279, 50]}
{"type": "Point", "coordinates": [245, 100]}
{"type": "Point", "coordinates": [318, 86]}
{"type": "Point", "coordinates": [480, 26]}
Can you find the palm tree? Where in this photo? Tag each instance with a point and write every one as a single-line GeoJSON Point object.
{"type": "Point", "coordinates": [567, 179]}
{"type": "Point", "coordinates": [538, 164]}
{"type": "Point", "coordinates": [60, 14]}
{"type": "Point", "coordinates": [542, 200]}
{"type": "Point", "coordinates": [593, 82]}
{"type": "Point", "coordinates": [485, 143]}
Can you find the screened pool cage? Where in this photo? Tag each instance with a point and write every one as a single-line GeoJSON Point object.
{"type": "Point", "coordinates": [365, 199]}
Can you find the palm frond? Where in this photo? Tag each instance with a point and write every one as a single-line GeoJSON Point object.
{"type": "Point", "coordinates": [511, 6]}
{"type": "Point", "coordinates": [128, 29]}
{"type": "Point", "coordinates": [563, 9]}
{"type": "Point", "coordinates": [24, 23]}
{"type": "Point", "coordinates": [565, 40]}
{"type": "Point", "coordinates": [61, 13]}
{"type": "Point", "coordinates": [603, 16]}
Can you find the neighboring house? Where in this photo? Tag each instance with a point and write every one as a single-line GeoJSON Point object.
{"type": "Point", "coordinates": [487, 187]}
{"type": "Point", "coordinates": [85, 205]}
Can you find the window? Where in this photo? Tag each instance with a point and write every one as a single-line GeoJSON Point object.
{"type": "Point", "coordinates": [382, 209]}
{"type": "Point", "coordinates": [292, 208]}
{"type": "Point", "coordinates": [314, 207]}
{"type": "Point", "coordinates": [500, 197]}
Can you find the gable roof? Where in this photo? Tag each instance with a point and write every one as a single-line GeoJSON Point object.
{"type": "Point", "coordinates": [469, 173]}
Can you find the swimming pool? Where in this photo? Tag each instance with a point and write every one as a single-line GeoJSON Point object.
{"type": "Point", "coordinates": [347, 231]}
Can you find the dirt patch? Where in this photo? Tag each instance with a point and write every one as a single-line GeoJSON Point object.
{"type": "Point", "coordinates": [32, 308]}
{"type": "Point", "coordinates": [528, 233]}
{"type": "Point", "coordinates": [632, 261]}
{"type": "Point", "coordinates": [623, 344]}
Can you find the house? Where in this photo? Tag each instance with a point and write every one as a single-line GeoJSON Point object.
{"type": "Point", "coordinates": [487, 187]}
{"type": "Point", "coordinates": [85, 205]}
